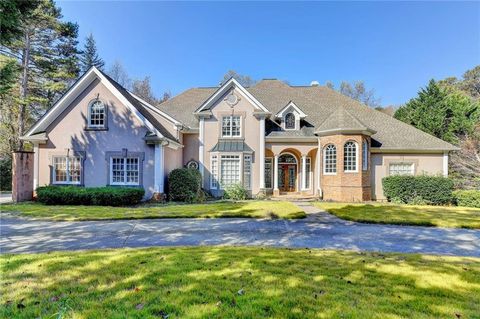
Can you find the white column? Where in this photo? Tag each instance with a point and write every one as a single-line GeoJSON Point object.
{"type": "Point", "coordinates": [445, 163]}
{"type": "Point", "coordinates": [304, 171]}
{"type": "Point", "coordinates": [275, 173]}
{"type": "Point", "coordinates": [319, 168]}
{"type": "Point", "coordinates": [262, 152]}
{"type": "Point", "coordinates": [35, 165]}
{"type": "Point", "coordinates": [159, 169]}
{"type": "Point", "coordinates": [201, 157]}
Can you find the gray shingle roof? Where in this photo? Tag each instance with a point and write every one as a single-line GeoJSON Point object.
{"type": "Point", "coordinates": [341, 119]}
{"type": "Point", "coordinates": [319, 103]}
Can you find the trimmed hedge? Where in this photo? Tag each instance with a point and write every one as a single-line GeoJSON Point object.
{"type": "Point", "coordinates": [467, 198]}
{"type": "Point", "coordinates": [235, 192]}
{"type": "Point", "coordinates": [434, 190]}
{"type": "Point", "coordinates": [102, 196]}
{"type": "Point", "coordinates": [185, 185]}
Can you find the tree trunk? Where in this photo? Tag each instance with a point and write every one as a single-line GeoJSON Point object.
{"type": "Point", "coordinates": [24, 88]}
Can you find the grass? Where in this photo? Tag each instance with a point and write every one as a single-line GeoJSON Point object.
{"type": "Point", "coordinates": [252, 209]}
{"type": "Point", "coordinates": [439, 216]}
{"type": "Point", "coordinates": [233, 282]}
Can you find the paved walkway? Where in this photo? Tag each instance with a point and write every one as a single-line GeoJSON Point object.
{"type": "Point", "coordinates": [319, 230]}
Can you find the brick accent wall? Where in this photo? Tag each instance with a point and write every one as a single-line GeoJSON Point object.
{"type": "Point", "coordinates": [22, 176]}
{"type": "Point", "coordinates": [346, 186]}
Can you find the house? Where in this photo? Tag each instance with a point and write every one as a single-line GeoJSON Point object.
{"type": "Point", "coordinates": [272, 137]}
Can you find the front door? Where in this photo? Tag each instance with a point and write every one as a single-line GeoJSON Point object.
{"type": "Point", "coordinates": [287, 177]}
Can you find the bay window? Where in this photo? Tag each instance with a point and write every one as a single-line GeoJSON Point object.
{"type": "Point", "coordinates": [350, 157]}
{"type": "Point", "coordinates": [330, 159]}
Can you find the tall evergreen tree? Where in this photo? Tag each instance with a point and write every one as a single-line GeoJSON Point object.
{"type": "Point", "coordinates": [89, 56]}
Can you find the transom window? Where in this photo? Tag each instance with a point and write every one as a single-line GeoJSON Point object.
{"type": "Point", "coordinates": [330, 159]}
{"type": "Point", "coordinates": [229, 170]}
{"type": "Point", "coordinates": [96, 114]}
{"type": "Point", "coordinates": [287, 159]}
{"type": "Point", "coordinates": [290, 121]}
{"type": "Point", "coordinates": [67, 169]}
{"type": "Point", "coordinates": [401, 169]}
{"type": "Point", "coordinates": [124, 171]}
{"type": "Point", "coordinates": [365, 156]}
{"type": "Point", "coordinates": [231, 126]}
{"type": "Point", "coordinates": [350, 157]}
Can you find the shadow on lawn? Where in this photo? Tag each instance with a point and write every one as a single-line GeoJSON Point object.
{"type": "Point", "coordinates": [239, 282]}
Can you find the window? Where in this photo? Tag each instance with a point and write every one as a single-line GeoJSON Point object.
{"type": "Point", "coordinates": [330, 159]}
{"type": "Point", "coordinates": [214, 169]}
{"type": "Point", "coordinates": [231, 126]}
{"type": "Point", "coordinates": [230, 170]}
{"type": "Point", "coordinates": [67, 170]}
{"type": "Point", "coordinates": [96, 115]}
{"type": "Point", "coordinates": [268, 172]}
{"type": "Point", "coordinates": [124, 171]}
{"type": "Point", "coordinates": [290, 121]}
{"type": "Point", "coordinates": [401, 169]}
{"type": "Point", "coordinates": [365, 156]}
{"type": "Point", "coordinates": [308, 168]}
{"type": "Point", "coordinates": [350, 157]}
{"type": "Point", "coordinates": [247, 171]}
{"type": "Point", "coordinates": [287, 159]}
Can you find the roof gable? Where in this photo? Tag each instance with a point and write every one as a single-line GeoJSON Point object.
{"type": "Point", "coordinates": [290, 106]}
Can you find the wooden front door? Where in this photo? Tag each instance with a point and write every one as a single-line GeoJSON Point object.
{"type": "Point", "coordinates": [287, 177]}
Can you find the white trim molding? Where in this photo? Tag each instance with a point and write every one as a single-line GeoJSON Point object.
{"type": "Point", "coordinates": [159, 168]}
{"type": "Point", "coordinates": [262, 153]}
{"type": "Point", "coordinates": [201, 147]}
{"type": "Point", "coordinates": [36, 164]}
{"type": "Point", "coordinates": [445, 163]}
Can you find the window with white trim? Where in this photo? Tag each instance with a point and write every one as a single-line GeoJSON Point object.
{"type": "Point", "coordinates": [330, 159]}
{"type": "Point", "coordinates": [247, 171]}
{"type": "Point", "coordinates": [365, 155]}
{"type": "Point", "coordinates": [67, 170]}
{"type": "Point", "coordinates": [401, 169]}
{"type": "Point", "coordinates": [231, 126]}
{"type": "Point", "coordinates": [96, 115]}
{"type": "Point", "coordinates": [229, 170]}
{"type": "Point", "coordinates": [124, 171]}
{"type": "Point", "coordinates": [350, 157]}
{"type": "Point", "coordinates": [308, 170]}
{"type": "Point", "coordinates": [214, 170]}
{"type": "Point", "coordinates": [290, 121]}
{"type": "Point", "coordinates": [268, 172]}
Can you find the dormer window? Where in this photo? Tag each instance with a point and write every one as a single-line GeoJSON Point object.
{"type": "Point", "coordinates": [97, 118]}
{"type": "Point", "coordinates": [290, 121]}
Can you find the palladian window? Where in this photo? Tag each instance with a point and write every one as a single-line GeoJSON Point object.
{"type": "Point", "coordinates": [350, 157]}
{"type": "Point", "coordinates": [290, 121]}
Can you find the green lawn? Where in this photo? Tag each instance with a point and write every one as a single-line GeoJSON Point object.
{"type": "Point", "coordinates": [232, 282]}
{"type": "Point", "coordinates": [253, 209]}
{"type": "Point", "coordinates": [440, 216]}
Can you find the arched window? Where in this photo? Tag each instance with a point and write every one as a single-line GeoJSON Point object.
{"type": "Point", "coordinates": [350, 157]}
{"type": "Point", "coordinates": [287, 159]}
{"type": "Point", "coordinates": [365, 155]}
{"type": "Point", "coordinates": [96, 115]}
{"type": "Point", "coordinates": [330, 159]}
{"type": "Point", "coordinates": [290, 121]}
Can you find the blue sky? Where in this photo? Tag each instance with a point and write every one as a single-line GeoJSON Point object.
{"type": "Point", "coordinates": [395, 47]}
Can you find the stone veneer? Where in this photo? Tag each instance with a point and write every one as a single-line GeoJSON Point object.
{"type": "Point", "coordinates": [342, 186]}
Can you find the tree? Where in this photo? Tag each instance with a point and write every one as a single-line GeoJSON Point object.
{"type": "Point", "coordinates": [143, 89]}
{"type": "Point", "coordinates": [11, 13]}
{"type": "Point", "coordinates": [118, 73]}
{"type": "Point", "coordinates": [469, 83]}
{"type": "Point", "coordinates": [359, 92]}
{"type": "Point", "coordinates": [47, 60]}
{"type": "Point", "coordinates": [89, 56]}
{"type": "Point", "coordinates": [244, 80]}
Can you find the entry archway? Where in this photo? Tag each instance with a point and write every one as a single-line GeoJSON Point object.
{"type": "Point", "coordinates": [287, 172]}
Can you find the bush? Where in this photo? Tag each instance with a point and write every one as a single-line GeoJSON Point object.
{"type": "Point", "coordinates": [236, 192]}
{"type": "Point", "coordinates": [103, 196]}
{"type": "Point", "coordinates": [185, 185]}
{"type": "Point", "coordinates": [6, 174]}
{"type": "Point", "coordinates": [434, 190]}
{"type": "Point", "coordinates": [468, 198]}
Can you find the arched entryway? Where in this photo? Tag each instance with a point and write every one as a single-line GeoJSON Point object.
{"type": "Point", "coordinates": [287, 172]}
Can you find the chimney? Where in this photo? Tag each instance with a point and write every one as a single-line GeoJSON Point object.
{"type": "Point", "coordinates": [314, 83]}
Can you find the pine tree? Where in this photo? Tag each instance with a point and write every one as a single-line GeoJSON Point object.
{"type": "Point", "coordinates": [89, 56]}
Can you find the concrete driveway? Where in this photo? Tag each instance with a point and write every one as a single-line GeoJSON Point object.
{"type": "Point", "coordinates": [319, 230]}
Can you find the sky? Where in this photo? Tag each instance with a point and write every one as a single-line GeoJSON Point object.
{"type": "Point", "coordinates": [395, 47]}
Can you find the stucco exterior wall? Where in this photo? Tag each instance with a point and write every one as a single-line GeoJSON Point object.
{"type": "Point", "coordinates": [190, 147]}
{"type": "Point", "coordinates": [430, 164]}
{"type": "Point", "coordinates": [250, 131]}
{"type": "Point", "coordinates": [125, 131]}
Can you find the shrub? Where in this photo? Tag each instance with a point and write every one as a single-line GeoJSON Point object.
{"type": "Point", "coordinates": [103, 196]}
{"type": "Point", "coordinates": [468, 198]}
{"type": "Point", "coordinates": [6, 174]}
{"type": "Point", "coordinates": [435, 190]}
{"type": "Point", "coordinates": [236, 192]}
{"type": "Point", "coordinates": [185, 185]}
